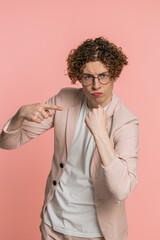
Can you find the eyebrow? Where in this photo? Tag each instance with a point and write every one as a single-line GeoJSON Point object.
{"type": "Point", "coordinates": [92, 74]}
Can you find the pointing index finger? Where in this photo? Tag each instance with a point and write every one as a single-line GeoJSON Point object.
{"type": "Point", "coordinates": [52, 106]}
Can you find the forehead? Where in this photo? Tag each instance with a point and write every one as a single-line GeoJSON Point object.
{"type": "Point", "coordinates": [95, 67]}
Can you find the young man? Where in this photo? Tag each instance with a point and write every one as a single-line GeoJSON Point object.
{"type": "Point", "coordinates": [94, 165]}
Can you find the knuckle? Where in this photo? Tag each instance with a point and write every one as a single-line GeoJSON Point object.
{"type": "Point", "coordinates": [36, 114]}
{"type": "Point", "coordinates": [34, 118]}
{"type": "Point", "coordinates": [44, 114]}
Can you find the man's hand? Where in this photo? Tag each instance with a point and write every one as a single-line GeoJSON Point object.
{"type": "Point", "coordinates": [33, 112]}
{"type": "Point", "coordinates": [37, 112]}
{"type": "Point", "coordinates": [96, 120]}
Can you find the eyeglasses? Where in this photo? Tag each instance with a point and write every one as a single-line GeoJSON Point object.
{"type": "Point", "coordinates": [88, 79]}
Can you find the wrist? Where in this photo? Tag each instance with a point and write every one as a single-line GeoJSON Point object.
{"type": "Point", "coordinates": [19, 114]}
{"type": "Point", "coordinates": [100, 134]}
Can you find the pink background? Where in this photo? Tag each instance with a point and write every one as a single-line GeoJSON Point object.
{"type": "Point", "coordinates": [35, 39]}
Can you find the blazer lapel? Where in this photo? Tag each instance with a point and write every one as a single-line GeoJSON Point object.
{"type": "Point", "coordinates": [112, 104]}
{"type": "Point", "coordinates": [72, 118]}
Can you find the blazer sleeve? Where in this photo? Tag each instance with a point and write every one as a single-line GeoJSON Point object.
{"type": "Point", "coordinates": [28, 131]}
{"type": "Point", "coordinates": [121, 174]}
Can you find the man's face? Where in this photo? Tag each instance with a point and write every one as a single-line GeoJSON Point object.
{"type": "Point", "coordinates": [104, 92]}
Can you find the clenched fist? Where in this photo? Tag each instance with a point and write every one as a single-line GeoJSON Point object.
{"type": "Point", "coordinates": [96, 120]}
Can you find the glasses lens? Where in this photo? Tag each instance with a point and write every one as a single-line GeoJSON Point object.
{"type": "Point", "coordinates": [104, 78]}
{"type": "Point", "coordinates": [87, 79]}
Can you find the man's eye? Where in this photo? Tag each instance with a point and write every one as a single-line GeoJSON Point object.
{"type": "Point", "coordinates": [104, 75]}
{"type": "Point", "coordinates": [87, 77]}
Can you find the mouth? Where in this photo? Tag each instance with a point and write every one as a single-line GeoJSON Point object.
{"type": "Point", "coordinates": [97, 94]}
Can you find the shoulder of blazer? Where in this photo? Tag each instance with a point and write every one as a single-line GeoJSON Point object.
{"type": "Point", "coordinates": [123, 115]}
{"type": "Point", "coordinates": [69, 97]}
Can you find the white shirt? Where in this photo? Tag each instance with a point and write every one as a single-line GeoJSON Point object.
{"type": "Point", "coordinates": [72, 210]}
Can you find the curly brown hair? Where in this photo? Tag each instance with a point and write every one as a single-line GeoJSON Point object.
{"type": "Point", "coordinates": [98, 49]}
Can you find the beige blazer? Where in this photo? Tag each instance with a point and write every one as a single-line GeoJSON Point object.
{"type": "Point", "coordinates": [112, 184]}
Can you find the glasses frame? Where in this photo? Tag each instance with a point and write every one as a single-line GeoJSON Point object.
{"type": "Point", "coordinates": [93, 80]}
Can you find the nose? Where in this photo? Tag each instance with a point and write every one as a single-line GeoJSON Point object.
{"type": "Point", "coordinates": [96, 83]}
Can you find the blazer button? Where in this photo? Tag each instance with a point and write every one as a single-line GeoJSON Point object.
{"type": "Point", "coordinates": [54, 182]}
{"type": "Point", "coordinates": [61, 165]}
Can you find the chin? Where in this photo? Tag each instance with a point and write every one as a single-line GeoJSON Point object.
{"type": "Point", "coordinates": [96, 103]}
